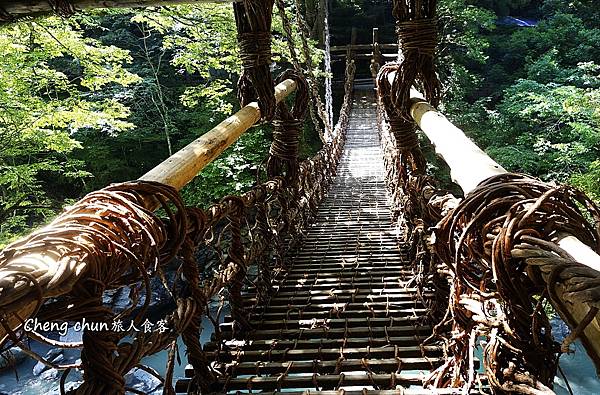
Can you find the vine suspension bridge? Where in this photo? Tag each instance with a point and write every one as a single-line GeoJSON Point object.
{"type": "Point", "coordinates": [349, 272]}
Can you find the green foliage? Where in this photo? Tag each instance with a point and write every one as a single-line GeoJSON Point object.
{"type": "Point", "coordinates": [589, 181]}
{"type": "Point", "coordinates": [105, 96]}
{"type": "Point", "coordinates": [462, 48]}
{"type": "Point", "coordinates": [505, 7]}
{"type": "Point", "coordinates": [49, 82]}
{"type": "Point", "coordinates": [536, 109]}
{"type": "Point", "coordinates": [548, 130]}
{"type": "Point", "coordinates": [234, 172]}
{"type": "Point", "coordinates": [202, 42]}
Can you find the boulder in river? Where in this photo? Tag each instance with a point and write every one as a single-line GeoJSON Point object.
{"type": "Point", "coordinates": [142, 381]}
{"type": "Point", "coordinates": [560, 330]}
{"type": "Point", "coordinates": [54, 355]}
{"type": "Point", "coordinates": [50, 375]}
{"type": "Point", "coordinates": [68, 387]}
{"type": "Point", "coordinates": [72, 336]}
{"type": "Point", "coordinates": [38, 368]}
{"type": "Point", "coordinates": [118, 299]}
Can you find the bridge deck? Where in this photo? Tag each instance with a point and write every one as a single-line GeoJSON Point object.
{"type": "Point", "coordinates": [343, 317]}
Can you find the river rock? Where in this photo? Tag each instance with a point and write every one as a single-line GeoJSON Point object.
{"type": "Point", "coordinates": [50, 375]}
{"type": "Point", "coordinates": [68, 387]}
{"type": "Point", "coordinates": [54, 355]}
{"type": "Point", "coordinates": [560, 330]}
{"type": "Point", "coordinates": [11, 358]}
{"type": "Point", "coordinates": [142, 381]}
{"type": "Point", "coordinates": [38, 368]}
{"type": "Point", "coordinates": [72, 336]}
{"type": "Point", "coordinates": [159, 297]}
{"type": "Point", "coordinates": [117, 299]}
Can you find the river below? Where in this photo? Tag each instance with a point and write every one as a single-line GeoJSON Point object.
{"type": "Point", "coordinates": [577, 367]}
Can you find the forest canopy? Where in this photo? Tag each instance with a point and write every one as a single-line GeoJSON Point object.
{"type": "Point", "coordinates": [104, 96]}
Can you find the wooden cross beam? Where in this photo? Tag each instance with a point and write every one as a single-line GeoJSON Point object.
{"type": "Point", "coordinates": [361, 47]}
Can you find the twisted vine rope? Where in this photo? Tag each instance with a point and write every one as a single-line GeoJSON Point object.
{"type": "Point", "coordinates": [304, 33]}
{"type": "Point", "coordinates": [286, 129]}
{"type": "Point", "coordinates": [310, 77]}
{"type": "Point", "coordinates": [416, 27]}
{"type": "Point", "coordinates": [63, 8]}
{"type": "Point", "coordinates": [377, 60]}
{"type": "Point", "coordinates": [253, 22]}
{"type": "Point", "coordinates": [417, 37]}
{"type": "Point", "coordinates": [95, 231]}
{"type": "Point", "coordinates": [115, 241]}
{"type": "Point", "coordinates": [416, 201]}
{"type": "Point", "coordinates": [500, 242]}
{"type": "Point", "coordinates": [411, 159]}
{"type": "Point", "coordinates": [5, 16]}
{"type": "Point", "coordinates": [417, 205]}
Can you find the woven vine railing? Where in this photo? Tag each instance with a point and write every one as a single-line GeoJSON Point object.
{"type": "Point", "coordinates": [504, 267]}
{"type": "Point", "coordinates": [216, 253]}
{"type": "Point", "coordinates": [494, 261]}
{"type": "Point", "coordinates": [411, 189]}
{"type": "Point", "coordinates": [493, 255]}
{"type": "Point", "coordinates": [417, 205]}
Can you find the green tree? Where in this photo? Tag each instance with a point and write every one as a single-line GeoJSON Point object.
{"type": "Point", "coordinates": [50, 77]}
{"type": "Point", "coordinates": [536, 109]}
{"type": "Point", "coordinates": [462, 49]}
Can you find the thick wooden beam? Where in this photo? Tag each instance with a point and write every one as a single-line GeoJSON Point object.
{"type": "Point", "coordinates": [176, 171]}
{"type": "Point", "coordinates": [469, 166]}
{"type": "Point", "coordinates": [22, 8]}
{"type": "Point", "coordinates": [353, 36]}
{"type": "Point", "coordinates": [366, 56]}
{"type": "Point", "coordinates": [361, 47]}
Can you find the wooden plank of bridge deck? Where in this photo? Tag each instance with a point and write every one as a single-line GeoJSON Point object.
{"type": "Point", "coordinates": [350, 297]}
{"type": "Point", "coordinates": [358, 47]}
{"type": "Point", "coordinates": [324, 354]}
{"type": "Point", "coordinates": [403, 391]}
{"type": "Point", "coordinates": [324, 381]}
{"type": "Point", "coordinates": [346, 303]}
{"type": "Point", "coordinates": [313, 305]}
{"type": "Point", "coordinates": [340, 332]}
{"type": "Point", "coordinates": [329, 367]}
{"type": "Point", "coordinates": [275, 344]}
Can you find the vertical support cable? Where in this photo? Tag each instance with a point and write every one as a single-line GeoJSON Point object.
{"type": "Point", "coordinates": [328, 93]}
{"type": "Point", "coordinates": [321, 110]}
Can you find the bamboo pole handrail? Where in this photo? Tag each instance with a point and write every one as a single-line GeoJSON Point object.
{"type": "Point", "coordinates": [26, 8]}
{"type": "Point", "coordinates": [176, 171]}
{"type": "Point", "coordinates": [181, 167]}
{"type": "Point", "coordinates": [469, 166]}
